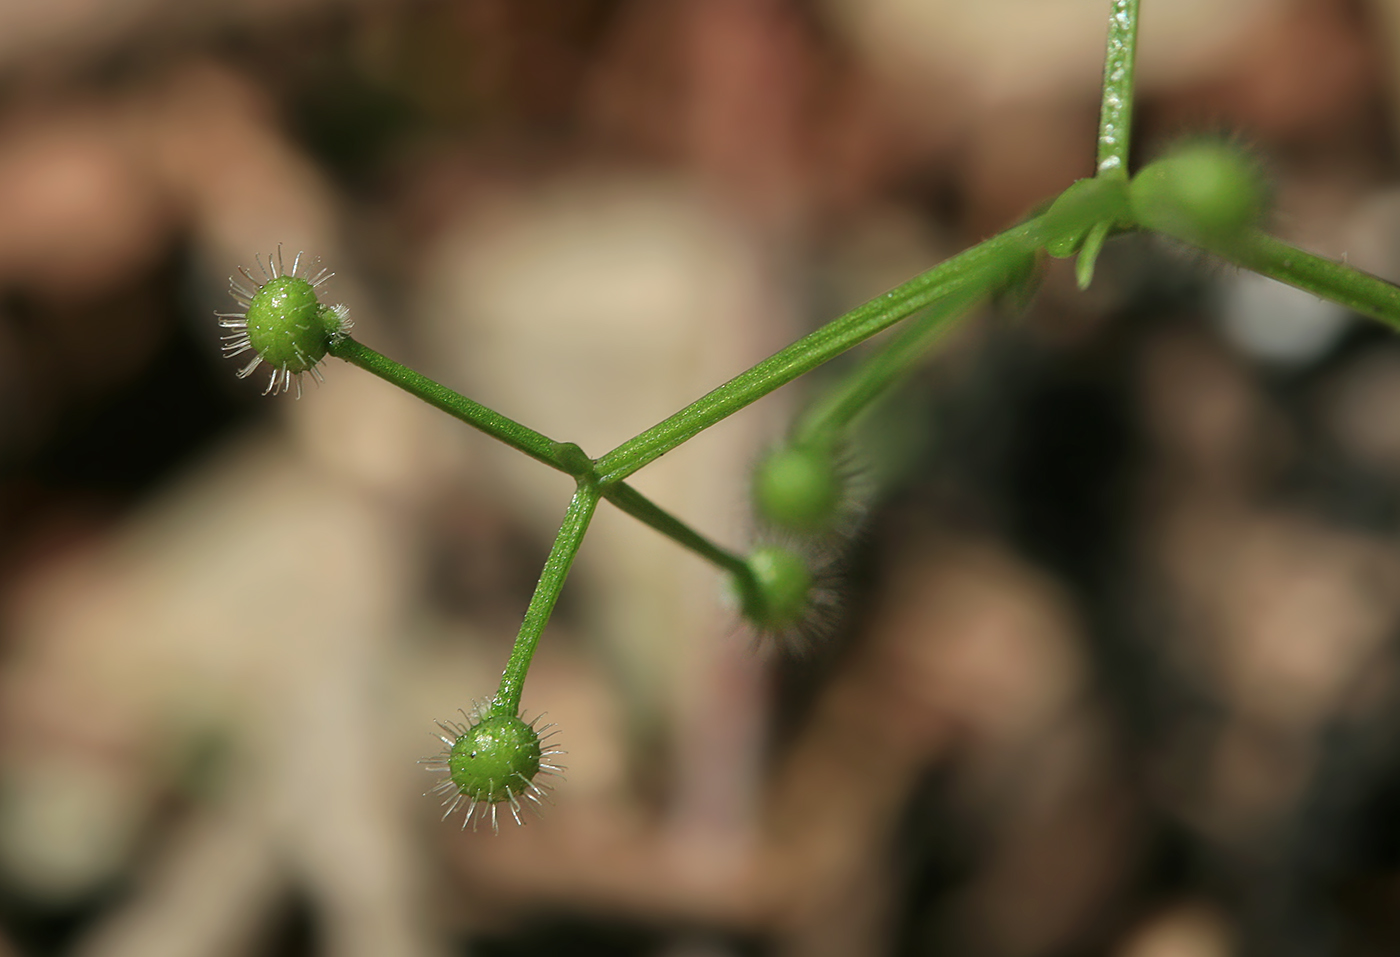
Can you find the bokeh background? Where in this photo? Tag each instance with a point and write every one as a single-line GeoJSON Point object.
{"type": "Point", "coordinates": [1117, 672]}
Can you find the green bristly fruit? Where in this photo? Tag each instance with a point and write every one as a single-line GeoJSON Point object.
{"type": "Point", "coordinates": [798, 488]}
{"type": "Point", "coordinates": [495, 758]}
{"type": "Point", "coordinates": [783, 588]}
{"type": "Point", "coordinates": [1207, 193]}
{"type": "Point", "coordinates": [288, 326]}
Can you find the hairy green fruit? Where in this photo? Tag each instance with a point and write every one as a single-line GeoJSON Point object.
{"type": "Point", "coordinates": [798, 488]}
{"type": "Point", "coordinates": [496, 758]}
{"type": "Point", "coordinates": [283, 323]}
{"type": "Point", "coordinates": [782, 588]}
{"type": "Point", "coordinates": [288, 326]}
{"type": "Point", "coordinates": [1206, 192]}
{"type": "Point", "coordinates": [493, 760]}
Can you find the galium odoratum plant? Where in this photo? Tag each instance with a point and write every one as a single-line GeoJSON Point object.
{"type": "Point", "coordinates": [1205, 194]}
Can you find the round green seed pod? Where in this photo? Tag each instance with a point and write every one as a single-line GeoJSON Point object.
{"type": "Point", "coordinates": [1206, 192]}
{"type": "Point", "coordinates": [288, 326]}
{"type": "Point", "coordinates": [494, 759]}
{"type": "Point", "coordinates": [782, 588]}
{"type": "Point", "coordinates": [798, 488]}
{"type": "Point", "coordinates": [281, 322]}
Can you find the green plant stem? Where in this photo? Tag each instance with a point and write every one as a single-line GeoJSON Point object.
{"type": "Point", "coordinates": [979, 268]}
{"type": "Point", "coordinates": [640, 507]}
{"type": "Point", "coordinates": [1357, 290]}
{"type": "Point", "coordinates": [564, 456]}
{"type": "Point", "coordinates": [1083, 207]}
{"type": "Point", "coordinates": [881, 370]}
{"type": "Point", "coordinates": [1116, 114]}
{"type": "Point", "coordinates": [556, 570]}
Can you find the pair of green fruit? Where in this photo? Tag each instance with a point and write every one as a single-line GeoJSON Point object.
{"type": "Point", "coordinates": [1207, 193]}
{"type": "Point", "coordinates": [798, 490]}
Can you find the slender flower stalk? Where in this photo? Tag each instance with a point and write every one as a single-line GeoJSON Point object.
{"type": "Point", "coordinates": [640, 507]}
{"type": "Point", "coordinates": [556, 570]}
{"type": "Point", "coordinates": [564, 456]}
{"type": "Point", "coordinates": [1359, 291]}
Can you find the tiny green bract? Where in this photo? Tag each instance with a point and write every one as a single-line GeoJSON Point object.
{"type": "Point", "coordinates": [493, 759]}
{"type": "Point", "coordinates": [283, 322]}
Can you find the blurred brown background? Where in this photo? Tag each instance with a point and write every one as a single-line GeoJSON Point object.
{"type": "Point", "coordinates": [1118, 673]}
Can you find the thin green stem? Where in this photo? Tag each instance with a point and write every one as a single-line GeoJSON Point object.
{"type": "Point", "coordinates": [1357, 290]}
{"type": "Point", "coordinates": [1116, 115]}
{"type": "Point", "coordinates": [640, 507]}
{"type": "Point", "coordinates": [556, 570]}
{"type": "Point", "coordinates": [881, 370]}
{"type": "Point", "coordinates": [979, 268]}
{"type": "Point", "coordinates": [564, 456]}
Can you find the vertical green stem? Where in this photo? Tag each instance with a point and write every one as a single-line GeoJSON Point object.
{"type": "Point", "coordinates": [1116, 116]}
{"type": "Point", "coordinates": [556, 570]}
